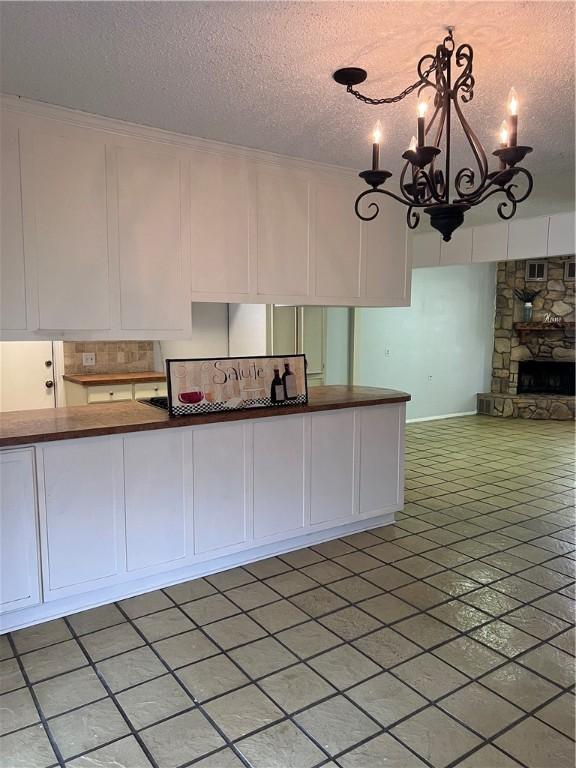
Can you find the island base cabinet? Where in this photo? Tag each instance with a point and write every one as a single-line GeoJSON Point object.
{"type": "Point", "coordinates": [158, 499]}
{"type": "Point", "coordinates": [19, 564]}
{"type": "Point", "coordinates": [279, 499]}
{"type": "Point", "coordinates": [83, 527]}
{"type": "Point", "coordinates": [220, 487]}
{"type": "Point", "coordinates": [120, 515]}
{"type": "Point", "coordinates": [381, 463]}
{"type": "Point", "coordinates": [332, 476]}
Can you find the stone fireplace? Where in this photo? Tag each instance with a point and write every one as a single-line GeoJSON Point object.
{"type": "Point", "coordinates": [533, 363]}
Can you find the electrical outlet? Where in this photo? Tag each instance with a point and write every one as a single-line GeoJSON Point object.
{"type": "Point", "coordinates": [386, 353]}
{"type": "Point", "coordinates": [88, 358]}
{"type": "Point", "coordinates": [430, 377]}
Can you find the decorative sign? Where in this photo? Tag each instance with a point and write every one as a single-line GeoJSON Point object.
{"type": "Point", "coordinates": [235, 383]}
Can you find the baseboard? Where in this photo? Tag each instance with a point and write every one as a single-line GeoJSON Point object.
{"type": "Point", "coordinates": [444, 416]}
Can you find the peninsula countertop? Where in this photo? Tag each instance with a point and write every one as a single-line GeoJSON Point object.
{"type": "Point", "coordinates": [47, 424]}
{"type": "Point", "coordinates": [91, 379]}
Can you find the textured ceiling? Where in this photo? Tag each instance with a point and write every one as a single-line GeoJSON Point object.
{"type": "Point", "coordinates": [258, 74]}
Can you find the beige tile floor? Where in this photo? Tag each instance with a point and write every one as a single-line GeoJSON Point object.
{"type": "Point", "coordinates": [446, 639]}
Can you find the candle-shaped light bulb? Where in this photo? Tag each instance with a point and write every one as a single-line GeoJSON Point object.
{"type": "Point", "coordinates": [504, 134]}
{"type": "Point", "coordinates": [413, 144]}
{"type": "Point", "coordinates": [376, 138]}
{"type": "Point", "coordinates": [422, 109]}
{"type": "Point", "coordinates": [513, 102]}
{"type": "Point", "coordinates": [513, 105]}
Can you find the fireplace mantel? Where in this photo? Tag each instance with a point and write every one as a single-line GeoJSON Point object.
{"type": "Point", "coordinates": [537, 329]}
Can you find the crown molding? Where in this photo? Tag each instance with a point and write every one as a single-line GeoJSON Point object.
{"type": "Point", "coordinates": [73, 117]}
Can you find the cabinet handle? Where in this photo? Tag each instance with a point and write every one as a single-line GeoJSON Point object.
{"type": "Point", "coordinates": [49, 384]}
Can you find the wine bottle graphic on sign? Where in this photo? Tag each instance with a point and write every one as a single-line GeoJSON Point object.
{"type": "Point", "coordinates": [289, 382]}
{"type": "Point", "coordinates": [277, 388]}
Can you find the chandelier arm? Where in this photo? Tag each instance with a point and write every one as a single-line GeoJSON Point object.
{"type": "Point", "coordinates": [509, 188]}
{"type": "Point", "coordinates": [362, 195]}
{"type": "Point", "coordinates": [412, 218]}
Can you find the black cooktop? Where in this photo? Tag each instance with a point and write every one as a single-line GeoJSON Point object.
{"type": "Point", "coordinates": [156, 402]}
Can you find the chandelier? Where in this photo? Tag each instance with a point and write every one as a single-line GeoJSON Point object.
{"type": "Point", "coordinates": [426, 178]}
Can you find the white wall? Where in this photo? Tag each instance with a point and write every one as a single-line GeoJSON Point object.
{"type": "Point", "coordinates": [440, 348]}
{"type": "Point", "coordinates": [209, 335]}
{"type": "Point", "coordinates": [247, 329]}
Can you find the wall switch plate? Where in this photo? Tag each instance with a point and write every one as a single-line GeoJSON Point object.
{"type": "Point", "coordinates": [88, 358]}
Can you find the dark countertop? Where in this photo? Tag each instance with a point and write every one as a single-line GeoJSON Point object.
{"type": "Point", "coordinates": [23, 427]}
{"type": "Point", "coordinates": [88, 379]}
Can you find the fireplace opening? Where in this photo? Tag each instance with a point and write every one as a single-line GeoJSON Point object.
{"type": "Point", "coordinates": [546, 377]}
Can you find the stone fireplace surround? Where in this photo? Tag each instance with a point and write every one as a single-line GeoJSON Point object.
{"type": "Point", "coordinates": [515, 342]}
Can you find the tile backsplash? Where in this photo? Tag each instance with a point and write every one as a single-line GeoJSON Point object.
{"type": "Point", "coordinates": [111, 356]}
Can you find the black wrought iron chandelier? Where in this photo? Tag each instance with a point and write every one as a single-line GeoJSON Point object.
{"type": "Point", "coordinates": [423, 184]}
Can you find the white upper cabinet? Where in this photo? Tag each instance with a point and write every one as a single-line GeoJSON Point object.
{"type": "Point", "coordinates": [112, 230]}
{"type": "Point", "coordinates": [337, 239]}
{"type": "Point", "coordinates": [283, 232]}
{"type": "Point", "coordinates": [222, 223]}
{"type": "Point", "coordinates": [458, 250]}
{"type": "Point", "coordinates": [561, 235]}
{"type": "Point", "coordinates": [19, 562]}
{"type": "Point", "coordinates": [388, 269]}
{"type": "Point", "coordinates": [490, 242]}
{"type": "Point", "coordinates": [154, 294]}
{"type": "Point", "coordinates": [426, 249]}
{"type": "Point", "coordinates": [528, 238]}
{"type": "Point", "coordinates": [12, 270]}
{"type": "Point", "coordinates": [65, 226]}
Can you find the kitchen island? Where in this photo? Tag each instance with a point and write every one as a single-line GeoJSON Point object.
{"type": "Point", "coordinates": [102, 502]}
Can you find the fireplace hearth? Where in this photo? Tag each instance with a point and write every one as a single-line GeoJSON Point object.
{"type": "Point", "coordinates": [546, 377]}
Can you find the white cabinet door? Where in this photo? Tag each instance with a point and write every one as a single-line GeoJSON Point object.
{"type": "Point", "coordinates": [332, 475]}
{"type": "Point", "coordinates": [84, 517]}
{"type": "Point", "coordinates": [381, 458]}
{"type": "Point", "coordinates": [561, 234]}
{"type": "Point", "coordinates": [19, 563]}
{"type": "Point", "coordinates": [426, 249]}
{"type": "Point", "coordinates": [12, 271]}
{"type": "Point", "coordinates": [220, 493]}
{"type": "Point", "coordinates": [157, 476]}
{"type": "Point", "coordinates": [458, 250]}
{"type": "Point", "coordinates": [278, 475]}
{"type": "Point", "coordinates": [222, 212]}
{"type": "Point", "coordinates": [337, 239]}
{"type": "Point", "coordinates": [65, 226]}
{"type": "Point", "coordinates": [388, 270]}
{"type": "Point", "coordinates": [528, 238]}
{"type": "Point", "coordinates": [490, 242]}
{"type": "Point", "coordinates": [283, 232]}
{"type": "Point", "coordinates": [154, 294]}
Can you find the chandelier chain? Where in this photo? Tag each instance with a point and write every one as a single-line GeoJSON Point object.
{"type": "Point", "coordinates": [400, 96]}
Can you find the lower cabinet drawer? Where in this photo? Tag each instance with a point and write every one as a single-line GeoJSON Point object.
{"type": "Point", "coordinates": [104, 394]}
{"type": "Point", "coordinates": [150, 389]}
